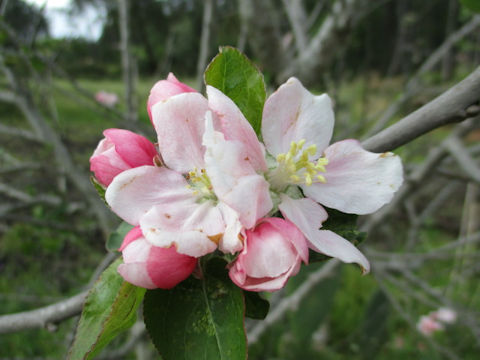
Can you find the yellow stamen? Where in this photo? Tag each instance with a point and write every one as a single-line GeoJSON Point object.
{"type": "Point", "coordinates": [296, 166]}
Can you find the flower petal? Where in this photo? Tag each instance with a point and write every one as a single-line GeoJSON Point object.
{"type": "Point", "coordinates": [235, 126]}
{"type": "Point", "coordinates": [136, 274]}
{"type": "Point", "coordinates": [134, 269]}
{"type": "Point", "coordinates": [358, 181]}
{"type": "Point", "coordinates": [167, 267]}
{"type": "Point", "coordinates": [238, 276]}
{"type": "Point", "coordinates": [292, 113]}
{"type": "Point", "coordinates": [270, 254]}
{"type": "Point", "coordinates": [234, 180]}
{"type": "Point", "coordinates": [312, 214]}
{"type": "Point", "coordinates": [134, 149]}
{"type": "Point", "coordinates": [231, 241]}
{"type": "Point", "coordinates": [193, 228]}
{"type": "Point", "coordinates": [164, 89]}
{"type": "Point", "coordinates": [133, 192]}
{"type": "Point", "coordinates": [323, 241]}
{"type": "Point", "coordinates": [292, 233]}
{"type": "Point", "coordinates": [180, 124]}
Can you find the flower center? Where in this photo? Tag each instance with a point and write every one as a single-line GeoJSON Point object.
{"type": "Point", "coordinates": [200, 184]}
{"type": "Point", "coordinates": [294, 167]}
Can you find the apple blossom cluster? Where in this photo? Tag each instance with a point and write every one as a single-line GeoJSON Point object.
{"type": "Point", "coordinates": [436, 320]}
{"type": "Point", "coordinates": [210, 185]}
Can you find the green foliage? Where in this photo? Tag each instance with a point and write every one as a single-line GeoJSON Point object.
{"type": "Point", "coordinates": [115, 239]}
{"type": "Point", "coordinates": [256, 307]}
{"type": "Point", "coordinates": [110, 308]}
{"type": "Point", "coordinates": [99, 187]}
{"type": "Point", "coordinates": [237, 77]}
{"type": "Point", "coordinates": [199, 318]}
{"type": "Point", "coordinates": [473, 5]}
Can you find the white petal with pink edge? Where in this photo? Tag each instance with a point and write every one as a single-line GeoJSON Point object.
{"type": "Point", "coordinates": [231, 241]}
{"type": "Point", "coordinates": [194, 229]}
{"type": "Point", "coordinates": [292, 113]}
{"type": "Point", "coordinates": [235, 126]}
{"type": "Point", "coordinates": [234, 180]}
{"type": "Point", "coordinates": [323, 241]}
{"type": "Point", "coordinates": [133, 192]}
{"type": "Point", "coordinates": [136, 274]}
{"type": "Point", "coordinates": [180, 124]}
{"type": "Point", "coordinates": [357, 181]}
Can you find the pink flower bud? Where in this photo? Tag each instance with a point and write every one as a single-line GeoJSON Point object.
{"type": "Point", "coordinates": [164, 89]}
{"type": "Point", "coordinates": [119, 151]}
{"type": "Point", "coordinates": [273, 252]}
{"type": "Point", "coordinates": [150, 266]}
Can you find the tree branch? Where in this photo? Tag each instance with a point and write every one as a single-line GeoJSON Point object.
{"type": "Point", "coordinates": [43, 316]}
{"type": "Point", "coordinates": [454, 105]}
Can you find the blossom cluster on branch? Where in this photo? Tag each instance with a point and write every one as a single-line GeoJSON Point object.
{"type": "Point", "coordinates": [209, 184]}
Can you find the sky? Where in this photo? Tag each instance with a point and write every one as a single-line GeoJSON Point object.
{"type": "Point", "coordinates": [87, 24]}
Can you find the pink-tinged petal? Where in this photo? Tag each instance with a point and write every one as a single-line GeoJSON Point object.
{"type": "Point", "coordinates": [165, 89]}
{"type": "Point", "coordinates": [235, 126]}
{"type": "Point", "coordinates": [292, 233]}
{"type": "Point", "coordinates": [180, 124]}
{"type": "Point", "coordinates": [333, 245]}
{"type": "Point", "coordinates": [323, 241]}
{"type": "Point", "coordinates": [231, 241]}
{"type": "Point", "coordinates": [312, 214]}
{"type": "Point", "coordinates": [137, 251]}
{"type": "Point", "coordinates": [167, 268]}
{"type": "Point", "coordinates": [236, 274]}
{"type": "Point", "coordinates": [107, 166]}
{"type": "Point", "coordinates": [136, 274]}
{"type": "Point", "coordinates": [234, 180]}
{"type": "Point", "coordinates": [133, 192]}
{"type": "Point", "coordinates": [150, 266]}
{"type": "Point", "coordinates": [262, 243]}
{"type": "Point", "coordinates": [120, 151]}
{"type": "Point", "coordinates": [135, 255]}
{"type": "Point", "coordinates": [357, 181]}
{"type": "Point", "coordinates": [131, 236]}
{"type": "Point", "coordinates": [194, 229]}
{"type": "Point", "coordinates": [292, 113]}
{"type": "Point", "coordinates": [250, 198]}
{"type": "Point", "coordinates": [269, 256]}
{"type": "Point", "coordinates": [134, 149]}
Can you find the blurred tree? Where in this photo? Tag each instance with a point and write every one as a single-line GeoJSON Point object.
{"type": "Point", "coordinates": [27, 20]}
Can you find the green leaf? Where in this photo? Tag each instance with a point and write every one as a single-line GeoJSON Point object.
{"type": "Point", "coordinates": [110, 308]}
{"type": "Point", "coordinates": [256, 307]}
{"type": "Point", "coordinates": [115, 239]}
{"type": "Point", "coordinates": [99, 187]}
{"type": "Point", "coordinates": [236, 76]}
{"type": "Point", "coordinates": [473, 5]}
{"type": "Point", "coordinates": [198, 319]}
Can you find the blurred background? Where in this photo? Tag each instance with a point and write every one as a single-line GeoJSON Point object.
{"type": "Point", "coordinates": [70, 69]}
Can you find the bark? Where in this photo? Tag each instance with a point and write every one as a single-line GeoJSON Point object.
{"type": "Point", "coordinates": [127, 63]}
{"type": "Point", "coordinates": [454, 105]}
{"type": "Point", "coordinates": [204, 42]}
{"type": "Point", "coordinates": [298, 20]}
{"type": "Point", "coordinates": [328, 42]}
